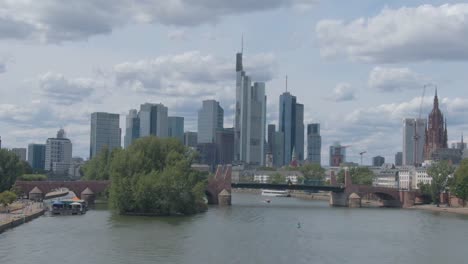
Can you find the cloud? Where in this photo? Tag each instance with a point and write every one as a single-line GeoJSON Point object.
{"type": "Point", "coordinates": [2, 67]}
{"type": "Point", "coordinates": [406, 34]}
{"type": "Point", "coordinates": [177, 34]}
{"type": "Point", "coordinates": [55, 21]}
{"type": "Point", "coordinates": [343, 92]}
{"type": "Point", "coordinates": [62, 90]}
{"type": "Point", "coordinates": [395, 79]}
{"type": "Point", "coordinates": [189, 73]}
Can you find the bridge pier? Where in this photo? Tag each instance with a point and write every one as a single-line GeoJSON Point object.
{"type": "Point", "coordinates": [338, 199]}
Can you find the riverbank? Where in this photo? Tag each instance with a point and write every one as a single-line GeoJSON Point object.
{"type": "Point", "coordinates": [27, 212]}
{"type": "Point", "coordinates": [442, 208]}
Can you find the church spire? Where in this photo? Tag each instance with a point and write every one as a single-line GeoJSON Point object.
{"type": "Point", "coordinates": [436, 100]}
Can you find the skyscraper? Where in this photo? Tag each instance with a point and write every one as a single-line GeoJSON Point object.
{"type": "Point", "coordinates": [210, 118]}
{"type": "Point", "coordinates": [337, 154]}
{"type": "Point", "coordinates": [58, 154]}
{"type": "Point", "coordinates": [153, 120]}
{"type": "Point", "coordinates": [399, 159]}
{"type": "Point", "coordinates": [314, 143]}
{"type": "Point", "coordinates": [36, 156]}
{"type": "Point", "coordinates": [176, 127]}
{"type": "Point", "coordinates": [271, 138]}
{"type": "Point", "coordinates": [105, 131]}
{"type": "Point", "coordinates": [291, 123]}
{"type": "Point", "coordinates": [436, 131]}
{"type": "Point", "coordinates": [409, 144]}
{"type": "Point", "coordinates": [132, 130]}
{"type": "Point", "coordinates": [224, 141]}
{"type": "Point", "coordinates": [190, 139]}
{"type": "Point", "coordinates": [278, 154]}
{"type": "Point", "coordinates": [250, 118]}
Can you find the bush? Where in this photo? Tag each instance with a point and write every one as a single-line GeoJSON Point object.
{"type": "Point", "coordinates": [33, 177]}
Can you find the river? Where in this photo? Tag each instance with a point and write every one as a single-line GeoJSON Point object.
{"type": "Point", "coordinates": [287, 230]}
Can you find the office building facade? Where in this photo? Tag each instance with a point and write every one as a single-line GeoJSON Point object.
{"type": "Point", "coordinates": [399, 159]}
{"type": "Point", "coordinates": [250, 118]}
{"type": "Point", "coordinates": [153, 120]}
{"type": "Point", "coordinates": [337, 154]}
{"type": "Point", "coordinates": [20, 152]}
{"type": "Point", "coordinates": [210, 119]}
{"type": "Point", "coordinates": [314, 144]}
{"type": "Point", "coordinates": [36, 156]}
{"type": "Point", "coordinates": [190, 139]}
{"type": "Point", "coordinates": [378, 161]}
{"type": "Point", "coordinates": [132, 128]}
{"type": "Point", "coordinates": [176, 127]}
{"type": "Point", "coordinates": [105, 131]}
{"type": "Point", "coordinates": [291, 123]}
{"type": "Point", "coordinates": [58, 154]}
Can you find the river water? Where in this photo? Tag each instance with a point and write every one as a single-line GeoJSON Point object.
{"type": "Point", "coordinates": [287, 230]}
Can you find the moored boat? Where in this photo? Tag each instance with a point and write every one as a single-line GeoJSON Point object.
{"type": "Point", "coordinates": [276, 193]}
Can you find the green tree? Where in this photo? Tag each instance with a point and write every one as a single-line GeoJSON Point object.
{"type": "Point", "coordinates": [10, 168]}
{"type": "Point", "coordinates": [277, 178]}
{"type": "Point", "coordinates": [439, 172]}
{"type": "Point", "coordinates": [359, 175]}
{"type": "Point", "coordinates": [27, 169]}
{"type": "Point", "coordinates": [154, 176]}
{"type": "Point", "coordinates": [33, 177]}
{"type": "Point", "coordinates": [7, 197]}
{"type": "Point", "coordinates": [459, 185]}
{"type": "Point", "coordinates": [312, 172]}
{"type": "Point", "coordinates": [98, 168]}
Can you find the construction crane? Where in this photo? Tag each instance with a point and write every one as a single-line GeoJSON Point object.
{"type": "Point", "coordinates": [362, 153]}
{"type": "Point", "coordinates": [416, 134]}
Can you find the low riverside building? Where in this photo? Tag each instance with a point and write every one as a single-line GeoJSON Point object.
{"type": "Point", "coordinates": [264, 176]}
{"type": "Point", "coordinates": [410, 177]}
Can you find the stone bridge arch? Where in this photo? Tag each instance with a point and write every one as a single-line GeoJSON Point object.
{"type": "Point", "coordinates": [75, 186]}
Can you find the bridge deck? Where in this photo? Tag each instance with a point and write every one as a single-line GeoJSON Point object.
{"type": "Point", "coordinates": [288, 187]}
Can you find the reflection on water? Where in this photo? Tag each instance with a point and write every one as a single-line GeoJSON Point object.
{"type": "Point", "coordinates": [251, 231]}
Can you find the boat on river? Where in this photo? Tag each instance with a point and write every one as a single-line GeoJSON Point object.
{"type": "Point", "coordinates": [69, 207]}
{"type": "Point", "coordinates": [276, 193]}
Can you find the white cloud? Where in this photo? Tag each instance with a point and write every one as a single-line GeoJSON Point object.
{"type": "Point", "coordinates": [343, 92]}
{"type": "Point", "coordinates": [395, 79]}
{"type": "Point", "coordinates": [61, 90]}
{"type": "Point", "coordinates": [2, 67]}
{"type": "Point", "coordinates": [422, 33]}
{"type": "Point", "coordinates": [189, 73]}
{"type": "Point", "coordinates": [177, 34]}
{"type": "Point", "coordinates": [57, 21]}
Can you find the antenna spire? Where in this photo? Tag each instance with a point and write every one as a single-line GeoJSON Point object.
{"type": "Point", "coordinates": [286, 83]}
{"type": "Point", "coordinates": [242, 43]}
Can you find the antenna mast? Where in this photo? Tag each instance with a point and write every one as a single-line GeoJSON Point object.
{"type": "Point", "coordinates": [286, 83]}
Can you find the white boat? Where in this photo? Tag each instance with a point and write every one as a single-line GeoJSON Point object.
{"type": "Point", "coordinates": [276, 193]}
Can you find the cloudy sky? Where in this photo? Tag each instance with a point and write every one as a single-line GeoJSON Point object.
{"type": "Point", "coordinates": [358, 66]}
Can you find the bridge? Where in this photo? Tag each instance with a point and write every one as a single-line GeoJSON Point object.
{"type": "Point", "coordinates": [86, 190]}
{"type": "Point", "coordinates": [347, 195]}
{"type": "Point", "coordinates": [219, 187]}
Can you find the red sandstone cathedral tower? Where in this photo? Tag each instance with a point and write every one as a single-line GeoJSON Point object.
{"type": "Point", "coordinates": [436, 131]}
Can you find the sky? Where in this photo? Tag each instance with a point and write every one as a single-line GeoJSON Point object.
{"type": "Point", "coordinates": [358, 66]}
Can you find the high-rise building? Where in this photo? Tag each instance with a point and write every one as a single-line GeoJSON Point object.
{"type": "Point", "coordinates": [105, 131]}
{"type": "Point", "coordinates": [436, 131]}
{"type": "Point", "coordinates": [224, 141]}
{"type": "Point", "coordinates": [278, 154]}
{"type": "Point", "coordinates": [291, 123]}
{"type": "Point", "coordinates": [399, 159]}
{"type": "Point", "coordinates": [271, 138]}
{"type": "Point", "coordinates": [153, 120]}
{"type": "Point", "coordinates": [314, 143]}
{"type": "Point", "coordinates": [176, 127]}
{"type": "Point", "coordinates": [207, 154]}
{"type": "Point", "coordinates": [190, 139]}
{"type": "Point", "coordinates": [58, 153]}
{"type": "Point", "coordinates": [132, 130]}
{"type": "Point", "coordinates": [250, 118]}
{"type": "Point", "coordinates": [337, 154]}
{"type": "Point", "coordinates": [36, 156]}
{"type": "Point", "coordinates": [210, 118]}
{"type": "Point", "coordinates": [378, 161]}
{"type": "Point", "coordinates": [411, 127]}
{"type": "Point", "coordinates": [20, 152]}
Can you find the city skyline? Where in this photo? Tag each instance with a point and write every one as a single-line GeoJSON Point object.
{"type": "Point", "coordinates": [366, 102]}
